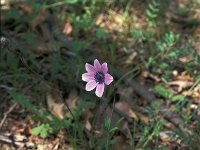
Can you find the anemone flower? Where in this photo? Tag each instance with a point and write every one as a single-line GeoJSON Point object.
{"type": "Point", "coordinates": [96, 77]}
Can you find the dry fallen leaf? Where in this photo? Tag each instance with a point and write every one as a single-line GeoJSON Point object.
{"type": "Point", "coordinates": [196, 45]}
{"type": "Point", "coordinates": [86, 117]}
{"type": "Point", "coordinates": [67, 30]}
{"type": "Point", "coordinates": [56, 104]}
{"type": "Point", "coordinates": [169, 136]}
{"type": "Point", "coordinates": [147, 74]}
{"type": "Point", "coordinates": [131, 58]}
{"type": "Point", "coordinates": [71, 102]}
{"type": "Point", "coordinates": [181, 84]}
{"type": "Point", "coordinates": [125, 108]}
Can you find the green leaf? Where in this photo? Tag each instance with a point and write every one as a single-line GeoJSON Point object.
{"type": "Point", "coordinates": [150, 62]}
{"type": "Point", "coordinates": [198, 77]}
{"type": "Point", "coordinates": [107, 125]}
{"type": "Point", "coordinates": [43, 134]}
{"type": "Point", "coordinates": [84, 21]}
{"type": "Point", "coordinates": [163, 92]}
{"type": "Point", "coordinates": [100, 33]}
{"type": "Point", "coordinates": [153, 8]}
{"type": "Point", "coordinates": [12, 13]}
{"type": "Point", "coordinates": [163, 65]}
{"type": "Point", "coordinates": [42, 130]}
{"type": "Point", "coordinates": [150, 14]}
{"type": "Point", "coordinates": [172, 54]}
{"type": "Point", "coordinates": [29, 37]}
{"type": "Point", "coordinates": [37, 130]}
{"type": "Point", "coordinates": [71, 1]}
{"type": "Point", "coordinates": [23, 101]}
{"type": "Point", "coordinates": [178, 98]}
{"type": "Point", "coordinates": [56, 124]}
{"type": "Point", "coordinates": [12, 62]}
{"type": "Point", "coordinates": [35, 5]}
{"type": "Point", "coordinates": [155, 3]}
{"type": "Point", "coordinates": [78, 45]}
{"type": "Point", "coordinates": [113, 129]}
{"type": "Point", "coordinates": [156, 104]}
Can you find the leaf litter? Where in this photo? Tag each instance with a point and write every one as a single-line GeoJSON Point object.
{"type": "Point", "coordinates": [125, 109]}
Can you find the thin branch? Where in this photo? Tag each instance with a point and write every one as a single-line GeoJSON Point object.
{"type": "Point", "coordinates": [150, 98]}
{"type": "Point", "coordinates": [6, 114]}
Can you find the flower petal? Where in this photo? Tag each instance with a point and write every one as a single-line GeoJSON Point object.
{"type": "Point", "coordinates": [99, 90]}
{"type": "Point", "coordinates": [90, 68]}
{"type": "Point", "coordinates": [108, 79]}
{"type": "Point", "coordinates": [97, 65]}
{"type": "Point", "coordinates": [104, 68]}
{"type": "Point", "coordinates": [87, 77]}
{"type": "Point", "coordinates": [90, 85]}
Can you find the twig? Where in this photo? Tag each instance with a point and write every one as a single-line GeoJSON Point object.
{"type": "Point", "coordinates": [174, 118]}
{"type": "Point", "coordinates": [60, 36]}
{"type": "Point", "coordinates": [185, 22]}
{"type": "Point", "coordinates": [17, 141]}
{"type": "Point", "coordinates": [6, 114]}
{"type": "Point", "coordinates": [142, 90]}
{"type": "Point", "coordinates": [6, 87]}
{"type": "Point", "coordinates": [56, 30]}
{"type": "Point", "coordinates": [150, 97]}
{"type": "Point", "coordinates": [22, 54]}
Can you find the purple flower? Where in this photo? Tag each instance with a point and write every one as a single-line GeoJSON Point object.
{"type": "Point", "coordinates": [96, 77]}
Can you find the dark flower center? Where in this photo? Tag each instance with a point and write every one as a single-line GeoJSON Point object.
{"type": "Point", "coordinates": [99, 77]}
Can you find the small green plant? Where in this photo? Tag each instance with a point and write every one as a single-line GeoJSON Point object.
{"type": "Point", "coordinates": [167, 43]}
{"type": "Point", "coordinates": [152, 13]}
{"type": "Point", "coordinates": [151, 132]}
{"type": "Point", "coordinates": [107, 126]}
{"type": "Point", "coordinates": [168, 94]}
{"type": "Point", "coordinates": [109, 130]}
{"type": "Point", "coordinates": [27, 75]}
{"type": "Point", "coordinates": [163, 92]}
{"type": "Point", "coordinates": [42, 130]}
{"type": "Point", "coordinates": [49, 125]}
{"type": "Point", "coordinates": [165, 52]}
{"type": "Point", "coordinates": [29, 37]}
{"type": "Point", "coordinates": [101, 33]}
{"type": "Point", "coordinates": [12, 13]}
{"type": "Point", "coordinates": [137, 35]}
{"type": "Point", "coordinates": [23, 101]}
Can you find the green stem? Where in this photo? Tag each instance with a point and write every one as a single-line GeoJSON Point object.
{"type": "Point", "coordinates": [107, 140]}
{"type": "Point", "coordinates": [125, 75]}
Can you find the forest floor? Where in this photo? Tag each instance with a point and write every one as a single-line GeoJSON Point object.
{"type": "Point", "coordinates": [152, 50]}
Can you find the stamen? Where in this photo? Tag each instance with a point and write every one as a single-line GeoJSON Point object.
{"type": "Point", "coordinates": [99, 77]}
